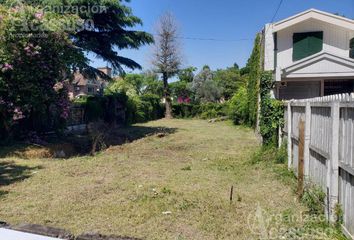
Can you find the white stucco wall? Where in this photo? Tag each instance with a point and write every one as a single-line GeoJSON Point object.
{"type": "Point", "coordinates": [268, 48]}
{"type": "Point", "coordinates": [335, 40]}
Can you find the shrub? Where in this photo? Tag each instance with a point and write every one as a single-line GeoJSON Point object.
{"type": "Point", "coordinates": [203, 111]}
{"type": "Point", "coordinates": [238, 106]}
{"type": "Point", "coordinates": [314, 199]}
{"type": "Point", "coordinates": [144, 108]}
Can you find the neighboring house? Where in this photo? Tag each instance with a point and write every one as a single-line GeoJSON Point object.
{"type": "Point", "coordinates": [311, 55]}
{"type": "Point", "coordinates": [82, 86]}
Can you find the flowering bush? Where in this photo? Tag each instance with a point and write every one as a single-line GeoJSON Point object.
{"type": "Point", "coordinates": [35, 56]}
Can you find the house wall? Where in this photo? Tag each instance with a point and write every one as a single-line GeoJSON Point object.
{"type": "Point", "coordinates": [299, 90]}
{"type": "Point", "coordinates": [268, 48]}
{"type": "Point", "coordinates": [335, 40]}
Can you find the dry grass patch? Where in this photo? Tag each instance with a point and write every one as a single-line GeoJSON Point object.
{"type": "Point", "coordinates": [159, 187]}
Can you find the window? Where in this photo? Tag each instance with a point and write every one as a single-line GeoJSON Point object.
{"type": "Point", "coordinates": [306, 44]}
{"type": "Point", "coordinates": [332, 87]}
{"type": "Point", "coordinates": [351, 48]}
{"type": "Point", "coordinates": [275, 37]}
{"type": "Point", "coordinates": [90, 90]}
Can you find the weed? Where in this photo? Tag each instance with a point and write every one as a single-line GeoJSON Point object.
{"type": "Point", "coordinates": [339, 215]}
{"type": "Point", "coordinates": [188, 168]}
{"type": "Point", "coordinates": [314, 199]}
{"type": "Point", "coordinates": [186, 204]}
{"type": "Point", "coordinates": [166, 190]}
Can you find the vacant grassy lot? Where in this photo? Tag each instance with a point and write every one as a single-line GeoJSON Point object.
{"type": "Point", "coordinates": [175, 186]}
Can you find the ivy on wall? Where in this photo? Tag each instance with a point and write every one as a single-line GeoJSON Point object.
{"type": "Point", "coordinates": [271, 111]}
{"type": "Point", "coordinates": [253, 84]}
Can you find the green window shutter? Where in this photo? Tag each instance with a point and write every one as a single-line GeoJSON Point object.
{"type": "Point", "coordinates": [306, 44]}
{"type": "Point", "coordinates": [351, 48]}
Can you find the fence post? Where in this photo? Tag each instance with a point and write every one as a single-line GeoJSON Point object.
{"type": "Point", "coordinates": [290, 155]}
{"type": "Point", "coordinates": [334, 162]}
{"type": "Point", "coordinates": [307, 139]}
{"type": "Point", "coordinates": [300, 175]}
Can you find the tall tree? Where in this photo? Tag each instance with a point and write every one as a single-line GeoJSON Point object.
{"type": "Point", "coordinates": [167, 57]}
{"type": "Point", "coordinates": [229, 80]}
{"type": "Point", "coordinates": [102, 27]}
{"type": "Point", "coordinates": [204, 86]}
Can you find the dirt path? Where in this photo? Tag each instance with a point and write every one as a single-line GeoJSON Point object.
{"type": "Point", "coordinates": [159, 187]}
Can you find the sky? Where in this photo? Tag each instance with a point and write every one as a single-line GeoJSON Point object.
{"type": "Point", "coordinates": [232, 24]}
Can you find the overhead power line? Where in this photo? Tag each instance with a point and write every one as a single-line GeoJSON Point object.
{"type": "Point", "coordinates": [213, 39]}
{"type": "Point", "coordinates": [276, 11]}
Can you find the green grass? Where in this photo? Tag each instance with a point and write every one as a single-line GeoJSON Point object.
{"type": "Point", "coordinates": [172, 187]}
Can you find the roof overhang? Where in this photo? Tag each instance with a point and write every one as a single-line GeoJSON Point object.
{"type": "Point", "coordinates": [322, 64]}
{"type": "Point", "coordinates": [314, 14]}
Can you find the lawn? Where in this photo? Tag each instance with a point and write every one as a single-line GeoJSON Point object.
{"type": "Point", "coordinates": [163, 186]}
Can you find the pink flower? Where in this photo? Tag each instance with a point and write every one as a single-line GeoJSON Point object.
{"type": "Point", "coordinates": [6, 67]}
{"type": "Point", "coordinates": [18, 114]}
{"type": "Point", "coordinates": [39, 15]}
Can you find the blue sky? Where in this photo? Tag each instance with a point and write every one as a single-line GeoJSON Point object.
{"type": "Point", "coordinates": [226, 20]}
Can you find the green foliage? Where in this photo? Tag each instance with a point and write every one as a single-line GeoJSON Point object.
{"type": "Point", "coordinates": [188, 168]}
{"type": "Point", "coordinates": [254, 66]}
{"type": "Point", "coordinates": [41, 43]}
{"type": "Point", "coordinates": [271, 154]}
{"type": "Point", "coordinates": [113, 29]}
{"type": "Point", "coordinates": [339, 215]}
{"type": "Point", "coordinates": [229, 80]}
{"type": "Point", "coordinates": [152, 84]}
{"type": "Point", "coordinates": [282, 154]}
{"type": "Point", "coordinates": [314, 198]}
{"type": "Point", "coordinates": [180, 89]}
{"type": "Point", "coordinates": [136, 81]}
{"type": "Point", "coordinates": [238, 107]}
{"type": "Point", "coordinates": [271, 112]}
{"type": "Point", "coordinates": [143, 108]}
{"type": "Point", "coordinates": [32, 89]}
{"type": "Point", "coordinates": [144, 83]}
{"type": "Point", "coordinates": [203, 111]}
{"type": "Point", "coordinates": [120, 85]}
{"type": "Point", "coordinates": [142, 104]}
{"type": "Point", "coordinates": [205, 88]}
{"type": "Point", "coordinates": [187, 74]}
{"type": "Point", "coordinates": [102, 108]}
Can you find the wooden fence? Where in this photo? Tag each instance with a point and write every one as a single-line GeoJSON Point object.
{"type": "Point", "coordinates": [320, 136]}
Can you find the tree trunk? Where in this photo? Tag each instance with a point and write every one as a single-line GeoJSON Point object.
{"type": "Point", "coordinates": [168, 102]}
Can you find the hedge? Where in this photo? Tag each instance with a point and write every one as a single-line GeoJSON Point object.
{"type": "Point", "coordinates": [203, 111]}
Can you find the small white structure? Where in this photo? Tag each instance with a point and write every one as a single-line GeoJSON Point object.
{"type": "Point", "coordinates": [311, 55]}
{"type": "Point", "coordinates": [8, 234]}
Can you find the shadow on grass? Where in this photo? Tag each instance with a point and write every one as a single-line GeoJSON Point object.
{"type": "Point", "coordinates": [121, 136]}
{"type": "Point", "coordinates": [11, 173]}
{"type": "Point", "coordinates": [134, 133]}
{"type": "Point", "coordinates": [81, 144]}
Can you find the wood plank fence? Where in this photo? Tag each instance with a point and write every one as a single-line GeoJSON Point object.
{"type": "Point", "coordinates": [327, 156]}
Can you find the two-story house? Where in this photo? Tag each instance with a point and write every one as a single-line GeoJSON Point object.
{"type": "Point", "coordinates": [82, 86]}
{"type": "Point", "coordinates": [311, 55]}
